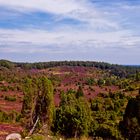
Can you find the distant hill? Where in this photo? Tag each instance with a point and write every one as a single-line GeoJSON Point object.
{"type": "Point", "coordinates": [118, 70]}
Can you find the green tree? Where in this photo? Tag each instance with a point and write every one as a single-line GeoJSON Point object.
{"type": "Point", "coordinates": [73, 117]}
{"type": "Point", "coordinates": [44, 108]}
{"type": "Point", "coordinates": [38, 102]}
{"type": "Point", "coordinates": [27, 108]}
{"type": "Point", "coordinates": [130, 126]}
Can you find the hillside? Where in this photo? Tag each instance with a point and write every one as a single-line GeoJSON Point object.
{"type": "Point", "coordinates": [106, 88]}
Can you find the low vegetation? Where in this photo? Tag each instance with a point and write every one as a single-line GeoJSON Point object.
{"type": "Point", "coordinates": [71, 99]}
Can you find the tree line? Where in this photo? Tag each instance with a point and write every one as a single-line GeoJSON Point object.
{"type": "Point", "coordinates": [118, 70]}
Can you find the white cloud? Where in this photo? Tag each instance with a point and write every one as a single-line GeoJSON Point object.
{"type": "Point", "coordinates": [130, 7]}
{"type": "Point", "coordinates": [40, 41]}
{"type": "Point", "coordinates": [66, 37]}
{"type": "Point", "coordinates": [53, 6]}
{"type": "Point", "coordinates": [82, 10]}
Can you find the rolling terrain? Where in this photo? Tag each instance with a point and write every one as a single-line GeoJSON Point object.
{"type": "Point", "coordinates": [95, 80]}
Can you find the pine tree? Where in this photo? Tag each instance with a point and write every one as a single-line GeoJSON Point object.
{"type": "Point", "coordinates": [73, 117]}
{"type": "Point", "coordinates": [38, 103]}
{"type": "Point", "coordinates": [27, 108]}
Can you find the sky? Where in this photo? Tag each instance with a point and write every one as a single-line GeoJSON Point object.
{"type": "Point", "coordinates": [48, 30]}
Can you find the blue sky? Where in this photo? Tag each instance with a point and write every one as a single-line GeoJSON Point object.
{"type": "Point", "coordinates": [45, 30]}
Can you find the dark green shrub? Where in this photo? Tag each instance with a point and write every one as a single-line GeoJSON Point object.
{"type": "Point", "coordinates": [10, 98]}
{"type": "Point", "coordinates": [9, 117]}
{"type": "Point", "coordinates": [4, 88]}
{"type": "Point", "coordinates": [101, 82]}
{"type": "Point", "coordinates": [90, 81]}
{"type": "Point", "coordinates": [79, 92]}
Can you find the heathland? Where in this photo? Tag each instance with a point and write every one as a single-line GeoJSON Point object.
{"type": "Point", "coordinates": [69, 100]}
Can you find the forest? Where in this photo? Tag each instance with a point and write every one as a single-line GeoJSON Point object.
{"type": "Point", "coordinates": [70, 100]}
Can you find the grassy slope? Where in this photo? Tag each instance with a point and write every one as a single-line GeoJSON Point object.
{"type": "Point", "coordinates": [64, 78]}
